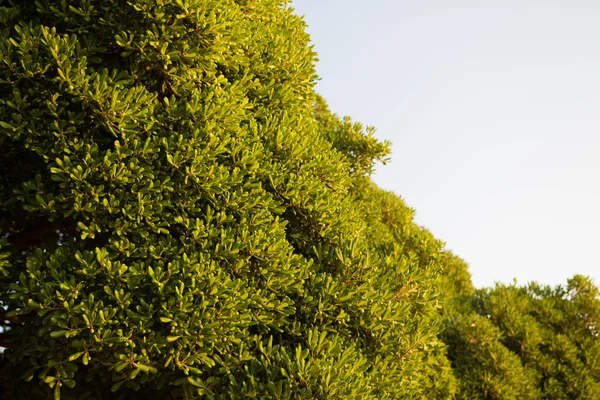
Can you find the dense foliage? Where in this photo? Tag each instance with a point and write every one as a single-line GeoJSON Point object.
{"type": "Point", "coordinates": [181, 216]}
{"type": "Point", "coordinates": [529, 342]}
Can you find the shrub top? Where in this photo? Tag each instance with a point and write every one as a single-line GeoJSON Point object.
{"type": "Point", "coordinates": [182, 217]}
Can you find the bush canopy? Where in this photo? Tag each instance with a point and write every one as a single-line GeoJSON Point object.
{"type": "Point", "coordinates": [181, 216]}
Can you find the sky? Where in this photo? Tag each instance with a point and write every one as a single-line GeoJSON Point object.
{"type": "Point", "coordinates": [493, 109]}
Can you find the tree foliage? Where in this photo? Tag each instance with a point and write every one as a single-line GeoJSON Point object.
{"type": "Point", "coordinates": [551, 332]}
{"type": "Point", "coordinates": [181, 216]}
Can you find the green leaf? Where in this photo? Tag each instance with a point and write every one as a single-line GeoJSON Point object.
{"type": "Point", "coordinates": [6, 125]}
{"type": "Point", "coordinates": [57, 334]}
{"type": "Point", "coordinates": [116, 386]}
{"type": "Point", "coordinates": [70, 383]}
{"type": "Point", "coordinates": [75, 356]}
{"type": "Point", "coordinates": [195, 382]}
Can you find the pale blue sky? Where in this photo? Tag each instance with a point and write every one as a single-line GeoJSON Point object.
{"type": "Point", "coordinates": [493, 108]}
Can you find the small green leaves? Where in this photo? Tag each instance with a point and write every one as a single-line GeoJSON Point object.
{"type": "Point", "coordinates": [116, 386]}
{"type": "Point", "coordinates": [513, 340]}
{"type": "Point", "coordinates": [6, 125]}
{"type": "Point", "coordinates": [57, 334]}
{"type": "Point", "coordinates": [75, 356]}
{"type": "Point", "coordinates": [183, 217]}
{"type": "Point", "coordinates": [146, 368]}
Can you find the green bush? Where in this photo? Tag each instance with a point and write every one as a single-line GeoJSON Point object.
{"type": "Point", "coordinates": [553, 331]}
{"type": "Point", "coordinates": [183, 218]}
{"type": "Point", "coordinates": [486, 369]}
{"type": "Point", "coordinates": [533, 342]}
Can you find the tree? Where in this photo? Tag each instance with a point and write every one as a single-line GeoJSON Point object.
{"type": "Point", "coordinates": [526, 342]}
{"type": "Point", "coordinates": [553, 331]}
{"type": "Point", "coordinates": [181, 218]}
{"type": "Point", "coordinates": [484, 367]}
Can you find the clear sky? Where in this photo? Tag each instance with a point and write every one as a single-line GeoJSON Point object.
{"type": "Point", "coordinates": [493, 108]}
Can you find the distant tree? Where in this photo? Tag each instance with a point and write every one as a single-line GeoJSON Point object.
{"type": "Point", "coordinates": [553, 331]}
{"type": "Point", "coordinates": [485, 368]}
{"type": "Point", "coordinates": [537, 337]}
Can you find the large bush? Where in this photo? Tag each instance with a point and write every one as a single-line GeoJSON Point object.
{"type": "Point", "coordinates": [532, 342]}
{"type": "Point", "coordinates": [554, 331]}
{"type": "Point", "coordinates": [181, 216]}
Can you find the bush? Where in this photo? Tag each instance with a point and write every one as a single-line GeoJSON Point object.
{"type": "Point", "coordinates": [533, 342]}
{"type": "Point", "coordinates": [553, 331]}
{"type": "Point", "coordinates": [183, 218]}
